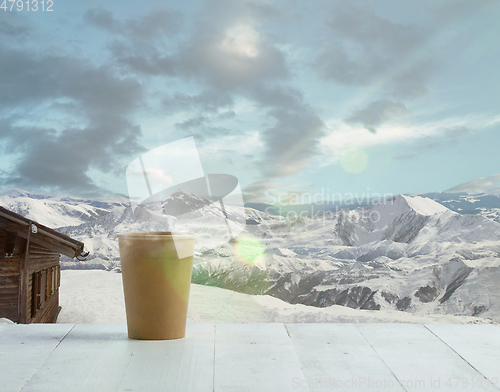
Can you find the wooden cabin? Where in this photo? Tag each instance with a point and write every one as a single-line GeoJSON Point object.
{"type": "Point", "coordinates": [30, 269]}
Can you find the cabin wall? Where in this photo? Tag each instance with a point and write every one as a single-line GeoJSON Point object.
{"type": "Point", "coordinates": [43, 278]}
{"type": "Point", "coordinates": [44, 275]}
{"type": "Point", "coordinates": [9, 283]}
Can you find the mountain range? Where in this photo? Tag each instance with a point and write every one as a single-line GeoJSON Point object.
{"type": "Point", "coordinates": [433, 254]}
{"type": "Point", "coordinates": [464, 203]}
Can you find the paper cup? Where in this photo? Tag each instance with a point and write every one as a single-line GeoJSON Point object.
{"type": "Point", "coordinates": [156, 272]}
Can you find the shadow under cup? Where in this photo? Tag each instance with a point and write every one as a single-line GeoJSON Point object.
{"type": "Point", "coordinates": [156, 272]}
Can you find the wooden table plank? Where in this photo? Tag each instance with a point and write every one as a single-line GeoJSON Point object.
{"type": "Point", "coordinates": [248, 357]}
{"type": "Point", "coordinates": [477, 344]}
{"type": "Point", "coordinates": [338, 357]}
{"type": "Point", "coordinates": [100, 357]}
{"type": "Point", "coordinates": [174, 365]}
{"type": "Point", "coordinates": [254, 357]}
{"type": "Point", "coordinates": [24, 348]}
{"type": "Point", "coordinates": [93, 357]}
{"type": "Point", "coordinates": [420, 360]}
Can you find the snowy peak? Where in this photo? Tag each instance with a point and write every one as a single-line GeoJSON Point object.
{"type": "Point", "coordinates": [423, 205]}
{"type": "Point", "coordinates": [17, 193]}
{"type": "Point", "coordinates": [402, 204]}
{"type": "Point", "coordinates": [183, 202]}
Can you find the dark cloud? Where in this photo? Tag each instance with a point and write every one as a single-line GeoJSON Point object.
{"type": "Point", "coordinates": [233, 67]}
{"type": "Point", "coordinates": [13, 28]}
{"type": "Point", "coordinates": [223, 51]}
{"type": "Point", "coordinates": [195, 122]}
{"type": "Point", "coordinates": [229, 55]}
{"type": "Point", "coordinates": [60, 158]}
{"type": "Point", "coordinates": [292, 141]}
{"type": "Point", "coordinates": [31, 78]}
{"type": "Point", "coordinates": [158, 21]}
{"type": "Point", "coordinates": [210, 57]}
{"type": "Point", "coordinates": [257, 190]}
{"type": "Point", "coordinates": [207, 101]}
{"type": "Point", "coordinates": [227, 11]}
{"type": "Point", "coordinates": [144, 59]}
{"type": "Point", "coordinates": [378, 112]}
{"type": "Point", "coordinates": [203, 128]}
{"type": "Point", "coordinates": [365, 48]}
{"type": "Point", "coordinates": [138, 44]}
{"type": "Point", "coordinates": [102, 19]}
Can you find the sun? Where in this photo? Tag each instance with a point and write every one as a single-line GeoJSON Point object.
{"type": "Point", "coordinates": [241, 40]}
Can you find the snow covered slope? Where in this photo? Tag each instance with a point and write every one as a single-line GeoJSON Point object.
{"type": "Point", "coordinates": [408, 253]}
{"type": "Point", "coordinates": [82, 293]}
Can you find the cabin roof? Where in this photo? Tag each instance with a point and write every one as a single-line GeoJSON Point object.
{"type": "Point", "coordinates": [44, 236]}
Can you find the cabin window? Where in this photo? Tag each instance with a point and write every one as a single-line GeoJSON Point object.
{"type": "Point", "coordinates": [10, 239]}
{"type": "Point", "coordinates": [36, 302]}
{"type": "Point", "coordinates": [48, 283]}
{"type": "Point", "coordinates": [58, 277]}
{"type": "Point", "coordinates": [53, 274]}
{"type": "Point", "coordinates": [39, 288]}
{"type": "Point", "coordinates": [43, 281]}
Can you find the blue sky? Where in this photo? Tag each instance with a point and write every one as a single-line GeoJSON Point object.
{"type": "Point", "coordinates": [288, 96]}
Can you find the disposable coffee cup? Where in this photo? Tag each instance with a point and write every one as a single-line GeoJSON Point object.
{"type": "Point", "coordinates": [156, 272]}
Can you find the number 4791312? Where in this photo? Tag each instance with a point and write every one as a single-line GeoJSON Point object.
{"type": "Point", "coordinates": [28, 5]}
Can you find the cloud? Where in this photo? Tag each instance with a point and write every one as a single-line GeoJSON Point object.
{"type": "Point", "coordinates": [13, 28]}
{"type": "Point", "coordinates": [46, 159]}
{"type": "Point", "coordinates": [102, 19]}
{"type": "Point", "coordinates": [225, 50]}
{"type": "Point", "coordinates": [135, 42]}
{"type": "Point", "coordinates": [257, 191]}
{"type": "Point", "coordinates": [94, 131]}
{"type": "Point", "coordinates": [157, 22]}
{"type": "Point", "coordinates": [207, 101]}
{"type": "Point", "coordinates": [229, 55]}
{"type": "Point", "coordinates": [489, 184]}
{"type": "Point", "coordinates": [366, 48]}
{"type": "Point", "coordinates": [377, 113]}
{"type": "Point", "coordinates": [293, 139]}
{"type": "Point", "coordinates": [433, 134]}
{"type": "Point", "coordinates": [202, 128]}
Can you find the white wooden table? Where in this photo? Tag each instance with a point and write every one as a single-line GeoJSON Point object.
{"type": "Point", "coordinates": [252, 357]}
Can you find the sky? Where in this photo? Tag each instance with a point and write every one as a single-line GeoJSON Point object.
{"type": "Point", "coordinates": [291, 97]}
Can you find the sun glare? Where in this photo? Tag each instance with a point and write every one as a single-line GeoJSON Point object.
{"type": "Point", "coordinates": [250, 251]}
{"type": "Point", "coordinates": [241, 40]}
{"type": "Point", "coordinates": [354, 159]}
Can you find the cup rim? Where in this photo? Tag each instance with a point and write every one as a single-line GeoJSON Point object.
{"type": "Point", "coordinates": [155, 234]}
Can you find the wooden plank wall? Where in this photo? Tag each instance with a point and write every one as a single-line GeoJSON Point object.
{"type": "Point", "coordinates": [9, 283]}
{"type": "Point", "coordinates": [42, 259]}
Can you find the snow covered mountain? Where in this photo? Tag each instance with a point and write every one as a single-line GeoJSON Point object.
{"type": "Point", "coordinates": [408, 253]}
{"type": "Point", "coordinates": [413, 255]}
{"type": "Point", "coordinates": [487, 205]}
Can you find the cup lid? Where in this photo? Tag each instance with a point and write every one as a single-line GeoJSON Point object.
{"type": "Point", "coordinates": [152, 234]}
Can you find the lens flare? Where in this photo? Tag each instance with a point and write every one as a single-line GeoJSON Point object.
{"type": "Point", "coordinates": [354, 160]}
{"type": "Point", "coordinates": [250, 251]}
